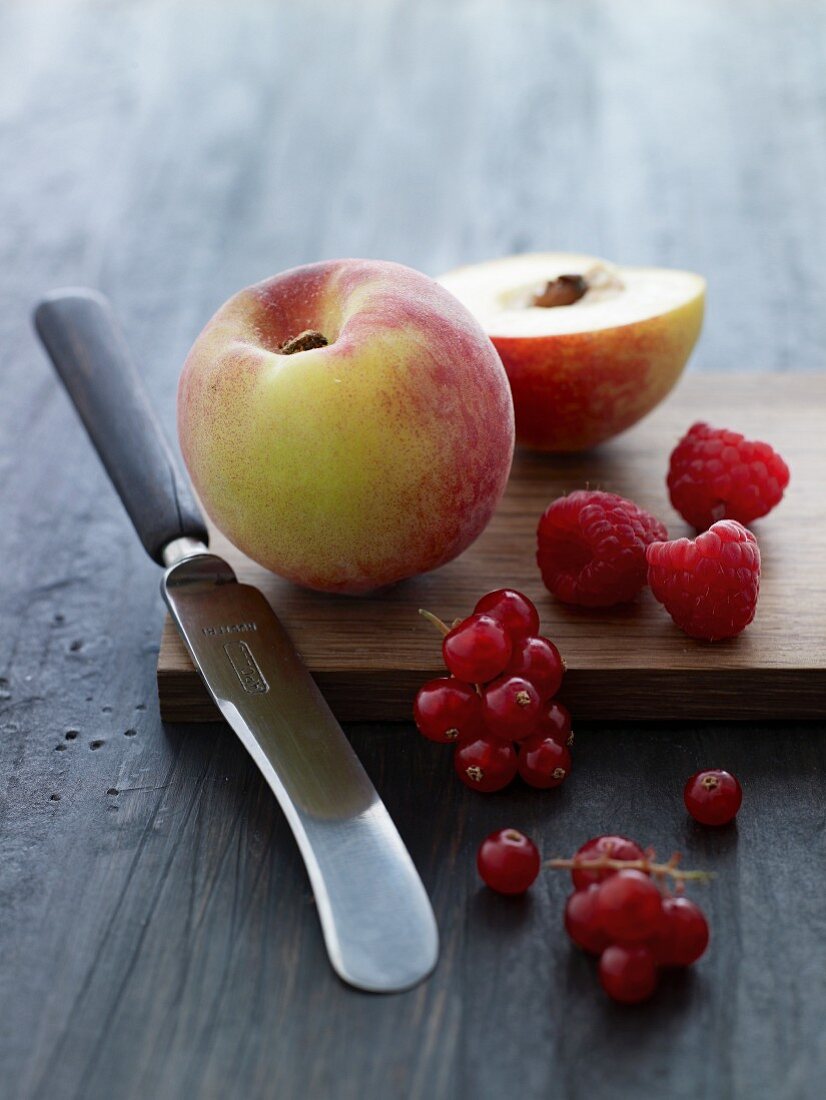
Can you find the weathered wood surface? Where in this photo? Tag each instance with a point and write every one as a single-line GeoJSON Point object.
{"type": "Point", "coordinates": [161, 941]}
{"type": "Point", "coordinates": [369, 655]}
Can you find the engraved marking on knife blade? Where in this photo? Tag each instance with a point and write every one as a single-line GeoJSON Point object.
{"type": "Point", "coordinates": [229, 628]}
{"type": "Point", "coordinates": [246, 668]}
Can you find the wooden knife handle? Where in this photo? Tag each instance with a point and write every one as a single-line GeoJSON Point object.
{"type": "Point", "coordinates": [85, 343]}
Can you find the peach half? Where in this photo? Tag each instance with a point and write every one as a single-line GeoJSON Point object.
{"type": "Point", "coordinates": [346, 424]}
{"type": "Point", "coordinates": [589, 348]}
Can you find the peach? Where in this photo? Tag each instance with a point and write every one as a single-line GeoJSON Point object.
{"type": "Point", "coordinates": [589, 348]}
{"type": "Point", "coordinates": [347, 424]}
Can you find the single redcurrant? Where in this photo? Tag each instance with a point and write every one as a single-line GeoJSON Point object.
{"type": "Point", "coordinates": [629, 907]}
{"type": "Point", "coordinates": [628, 974]}
{"type": "Point", "coordinates": [613, 847]}
{"type": "Point", "coordinates": [543, 762]}
{"type": "Point", "coordinates": [713, 797]}
{"type": "Point", "coordinates": [510, 707]}
{"type": "Point", "coordinates": [485, 763]}
{"type": "Point", "coordinates": [477, 649]}
{"type": "Point", "coordinates": [555, 721]}
{"type": "Point", "coordinates": [514, 611]}
{"type": "Point", "coordinates": [683, 935]}
{"type": "Point", "coordinates": [581, 923]}
{"type": "Point", "coordinates": [538, 660]}
{"type": "Point", "coordinates": [508, 861]}
{"type": "Point", "coordinates": [447, 709]}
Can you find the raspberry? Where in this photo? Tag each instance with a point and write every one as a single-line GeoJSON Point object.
{"type": "Point", "coordinates": [717, 474]}
{"type": "Point", "coordinates": [709, 585]}
{"type": "Point", "coordinates": [592, 548]}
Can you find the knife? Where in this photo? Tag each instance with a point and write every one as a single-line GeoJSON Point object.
{"type": "Point", "coordinates": [376, 918]}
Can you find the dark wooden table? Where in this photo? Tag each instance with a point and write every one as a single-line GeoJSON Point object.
{"type": "Point", "coordinates": [157, 934]}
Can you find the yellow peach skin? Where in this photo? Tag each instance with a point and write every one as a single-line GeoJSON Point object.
{"type": "Point", "coordinates": [349, 466]}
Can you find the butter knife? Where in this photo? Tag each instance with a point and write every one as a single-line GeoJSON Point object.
{"type": "Point", "coordinates": [376, 918]}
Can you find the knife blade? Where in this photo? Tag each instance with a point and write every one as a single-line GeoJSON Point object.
{"type": "Point", "coordinates": [375, 915]}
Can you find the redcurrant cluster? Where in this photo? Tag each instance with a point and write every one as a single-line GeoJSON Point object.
{"type": "Point", "coordinates": [629, 918]}
{"type": "Point", "coordinates": [620, 910]}
{"type": "Point", "coordinates": [504, 675]}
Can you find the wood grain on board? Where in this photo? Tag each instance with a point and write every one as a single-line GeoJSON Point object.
{"type": "Point", "coordinates": [369, 655]}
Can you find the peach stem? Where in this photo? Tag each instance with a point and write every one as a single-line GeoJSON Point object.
{"type": "Point", "coordinates": [305, 341]}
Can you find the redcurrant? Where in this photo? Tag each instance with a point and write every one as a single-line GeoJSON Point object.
{"type": "Point", "coordinates": [713, 797]}
{"type": "Point", "coordinates": [508, 861]}
{"type": "Point", "coordinates": [510, 706]}
{"type": "Point", "coordinates": [628, 974]}
{"type": "Point", "coordinates": [543, 762]}
{"type": "Point", "coordinates": [614, 847]}
{"type": "Point", "coordinates": [555, 721]}
{"type": "Point", "coordinates": [683, 935]}
{"type": "Point", "coordinates": [446, 709]}
{"type": "Point", "coordinates": [580, 921]}
{"type": "Point", "coordinates": [514, 611]}
{"type": "Point", "coordinates": [538, 660]}
{"type": "Point", "coordinates": [485, 763]}
{"type": "Point", "coordinates": [477, 649]}
{"type": "Point", "coordinates": [629, 907]}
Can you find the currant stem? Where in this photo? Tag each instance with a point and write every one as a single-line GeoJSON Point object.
{"type": "Point", "coordinates": [658, 870]}
{"type": "Point", "coordinates": [435, 620]}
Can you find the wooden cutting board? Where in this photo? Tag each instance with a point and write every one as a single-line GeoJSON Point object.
{"type": "Point", "coordinates": [369, 655]}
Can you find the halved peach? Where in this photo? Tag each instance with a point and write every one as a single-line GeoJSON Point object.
{"type": "Point", "coordinates": [589, 347]}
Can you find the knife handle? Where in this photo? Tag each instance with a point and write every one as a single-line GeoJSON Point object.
{"type": "Point", "coordinates": [87, 347]}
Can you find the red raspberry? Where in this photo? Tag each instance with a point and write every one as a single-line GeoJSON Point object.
{"type": "Point", "coordinates": [708, 586]}
{"type": "Point", "coordinates": [717, 474]}
{"type": "Point", "coordinates": [592, 548]}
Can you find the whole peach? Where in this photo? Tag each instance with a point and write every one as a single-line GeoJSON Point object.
{"type": "Point", "coordinates": [347, 424]}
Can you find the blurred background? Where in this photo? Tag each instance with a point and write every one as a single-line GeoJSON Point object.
{"type": "Point", "coordinates": [172, 152]}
